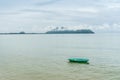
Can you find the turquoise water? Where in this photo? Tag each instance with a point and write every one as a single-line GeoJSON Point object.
{"type": "Point", "coordinates": [45, 57]}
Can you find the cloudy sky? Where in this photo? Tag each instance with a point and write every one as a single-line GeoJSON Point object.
{"type": "Point", "coordinates": [41, 15]}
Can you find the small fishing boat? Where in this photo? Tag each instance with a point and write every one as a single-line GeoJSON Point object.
{"type": "Point", "coordinates": [78, 60]}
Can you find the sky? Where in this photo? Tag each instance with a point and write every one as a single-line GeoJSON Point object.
{"type": "Point", "coordinates": [43, 15]}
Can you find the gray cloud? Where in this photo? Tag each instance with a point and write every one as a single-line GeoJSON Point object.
{"type": "Point", "coordinates": [37, 11]}
{"type": "Point", "coordinates": [46, 2]}
{"type": "Point", "coordinates": [9, 13]}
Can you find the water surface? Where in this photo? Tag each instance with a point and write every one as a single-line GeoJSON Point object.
{"type": "Point", "coordinates": [44, 57]}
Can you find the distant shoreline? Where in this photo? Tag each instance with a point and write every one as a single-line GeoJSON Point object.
{"type": "Point", "coordinates": [33, 33]}
{"type": "Point", "coordinates": [18, 33]}
{"type": "Point", "coordinates": [83, 31]}
{"type": "Point", "coordinates": [54, 31]}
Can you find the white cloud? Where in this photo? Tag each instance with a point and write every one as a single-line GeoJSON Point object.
{"type": "Point", "coordinates": [36, 15]}
{"type": "Point", "coordinates": [114, 5]}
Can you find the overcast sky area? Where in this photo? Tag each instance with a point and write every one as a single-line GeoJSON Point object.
{"type": "Point", "coordinates": [42, 15]}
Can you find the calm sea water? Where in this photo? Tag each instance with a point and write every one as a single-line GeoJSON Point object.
{"type": "Point", "coordinates": [45, 57]}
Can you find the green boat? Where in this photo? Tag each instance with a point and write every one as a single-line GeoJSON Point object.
{"type": "Point", "coordinates": [78, 60]}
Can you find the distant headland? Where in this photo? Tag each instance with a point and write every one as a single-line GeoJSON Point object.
{"type": "Point", "coordinates": [22, 32]}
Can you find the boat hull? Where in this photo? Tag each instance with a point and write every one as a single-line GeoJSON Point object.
{"type": "Point", "coordinates": [78, 60]}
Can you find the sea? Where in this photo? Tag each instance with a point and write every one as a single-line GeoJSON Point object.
{"type": "Point", "coordinates": [45, 56]}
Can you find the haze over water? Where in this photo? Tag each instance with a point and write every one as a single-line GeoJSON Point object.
{"type": "Point", "coordinates": [45, 57]}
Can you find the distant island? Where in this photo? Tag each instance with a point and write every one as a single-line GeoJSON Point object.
{"type": "Point", "coordinates": [64, 31]}
{"type": "Point", "coordinates": [57, 30]}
